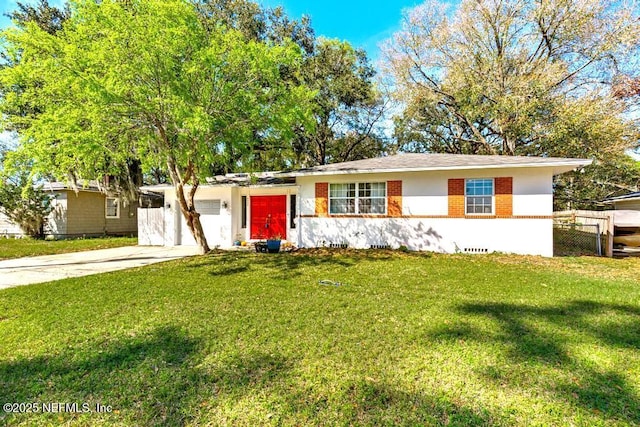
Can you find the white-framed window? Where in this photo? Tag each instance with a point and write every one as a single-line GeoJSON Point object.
{"type": "Point", "coordinates": [112, 207]}
{"type": "Point", "coordinates": [362, 198]}
{"type": "Point", "coordinates": [479, 198]}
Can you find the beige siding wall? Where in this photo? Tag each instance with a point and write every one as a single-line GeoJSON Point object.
{"type": "Point", "coordinates": [86, 215]}
{"type": "Point", "coordinates": [57, 219]}
{"type": "Point", "coordinates": [128, 221]}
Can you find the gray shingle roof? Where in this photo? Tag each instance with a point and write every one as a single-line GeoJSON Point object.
{"type": "Point", "coordinates": [420, 162]}
{"type": "Point", "coordinates": [59, 186]}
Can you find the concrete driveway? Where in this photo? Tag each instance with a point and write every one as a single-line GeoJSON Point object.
{"type": "Point", "coordinates": [45, 268]}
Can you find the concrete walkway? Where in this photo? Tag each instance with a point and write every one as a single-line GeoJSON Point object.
{"type": "Point", "coordinates": [45, 268]}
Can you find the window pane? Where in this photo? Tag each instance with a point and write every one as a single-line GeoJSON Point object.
{"type": "Point", "coordinates": [337, 190]}
{"type": "Point", "coordinates": [244, 212]}
{"type": "Point", "coordinates": [293, 211]}
{"type": "Point", "coordinates": [364, 206]}
{"type": "Point", "coordinates": [342, 190]}
{"type": "Point", "coordinates": [479, 196]}
{"type": "Point", "coordinates": [479, 205]}
{"type": "Point", "coordinates": [364, 190]}
{"type": "Point", "coordinates": [337, 206]}
{"type": "Point", "coordinates": [377, 206]}
{"type": "Point", "coordinates": [112, 207]}
{"type": "Point", "coordinates": [470, 205]}
{"type": "Point", "coordinates": [341, 206]}
{"type": "Point", "coordinates": [479, 187]}
{"type": "Point", "coordinates": [371, 206]}
{"type": "Point", "coordinates": [378, 189]}
{"type": "Point", "coordinates": [370, 197]}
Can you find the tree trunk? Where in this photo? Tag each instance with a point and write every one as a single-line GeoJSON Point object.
{"type": "Point", "coordinates": [186, 203]}
{"type": "Point", "coordinates": [187, 207]}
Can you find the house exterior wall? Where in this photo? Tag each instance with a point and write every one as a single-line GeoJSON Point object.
{"type": "Point", "coordinates": [220, 230]}
{"type": "Point", "coordinates": [128, 221]}
{"type": "Point", "coordinates": [8, 228]}
{"type": "Point", "coordinates": [217, 228]}
{"type": "Point", "coordinates": [420, 213]}
{"type": "Point", "coordinates": [633, 205]}
{"type": "Point", "coordinates": [85, 215]}
{"type": "Point", "coordinates": [81, 214]}
{"type": "Point", "coordinates": [57, 219]}
{"type": "Point", "coordinates": [433, 217]}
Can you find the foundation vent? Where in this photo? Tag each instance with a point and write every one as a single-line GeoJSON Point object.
{"type": "Point", "coordinates": [475, 250]}
{"type": "Point", "coordinates": [379, 247]}
{"type": "Point", "coordinates": [338, 245]}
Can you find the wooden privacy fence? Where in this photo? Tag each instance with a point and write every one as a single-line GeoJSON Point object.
{"type": "Point", "coordinates": [151, 226]}
{"type": "Point", "coordinates": [578, 231]}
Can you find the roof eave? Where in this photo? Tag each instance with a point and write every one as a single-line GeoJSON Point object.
{"type": "Point", "coordinates": [622, 199]}
{"type": "Point", "coordinates": [558, 167]}
{"type": "Point", "coordinates": [226, 185]}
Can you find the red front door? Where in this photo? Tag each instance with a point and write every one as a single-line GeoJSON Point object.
{"type": "Point", "coordinates": [268, 217]}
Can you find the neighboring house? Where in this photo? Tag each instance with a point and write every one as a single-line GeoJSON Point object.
{"type": "Point", "coordinates": [85, 213]}
{"type": "Point", "coordinates": [629, 201]}
{"type": "Point", "coordinates": [435, 202]}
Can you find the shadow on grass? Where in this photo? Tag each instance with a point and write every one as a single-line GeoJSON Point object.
{"type": "Point", "coordinates": [150, 380]}
{"type": "Point", "coordinates": [289, 265]}
{"type": "Point", "coordinates": [365, 402]}
{"type": "Point", "coordinates": [601, 391]}
{"type": "Point", "coordinates": [158, 379]}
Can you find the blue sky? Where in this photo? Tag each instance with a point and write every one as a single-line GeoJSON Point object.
{"type": "Point", "coordinates": [363, 23]}
{"type": "Point", "coordinates": [9, 5]}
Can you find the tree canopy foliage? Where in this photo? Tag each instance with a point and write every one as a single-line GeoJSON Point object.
{"type": "Point", "coordinates": [49, 18]}
{"type": "Point", "coordinates": [22, 202]}
{"type": "Point", "coordinates": [518, 77]}
{"type": "Point", "coordinates": [347, 107]}
{"type": "Point", "coordinates": [151, 81]}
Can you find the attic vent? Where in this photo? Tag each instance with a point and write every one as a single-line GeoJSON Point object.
{"type": "Point", "coordinates": [475, 250]}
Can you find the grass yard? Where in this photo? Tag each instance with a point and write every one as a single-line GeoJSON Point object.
{"type": "Point", "coordinates": [17, 248]}
{"type": "Point", "coordinates": [254, 339]}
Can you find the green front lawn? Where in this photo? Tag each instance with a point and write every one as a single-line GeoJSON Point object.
{"type": "Point", "coordinates": [254, 339]}
{"type": "Point", "coordinates": [17, 248]}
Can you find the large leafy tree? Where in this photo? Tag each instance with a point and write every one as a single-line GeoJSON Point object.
{"type": "Point", "coordinates": [347, 107]}
{"type": "Point", "coordinates": [518, 77]}
{"type": "Point", "coordinates": [152, 81]}
{"type": "Point", "coordinates": [23, 201]}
